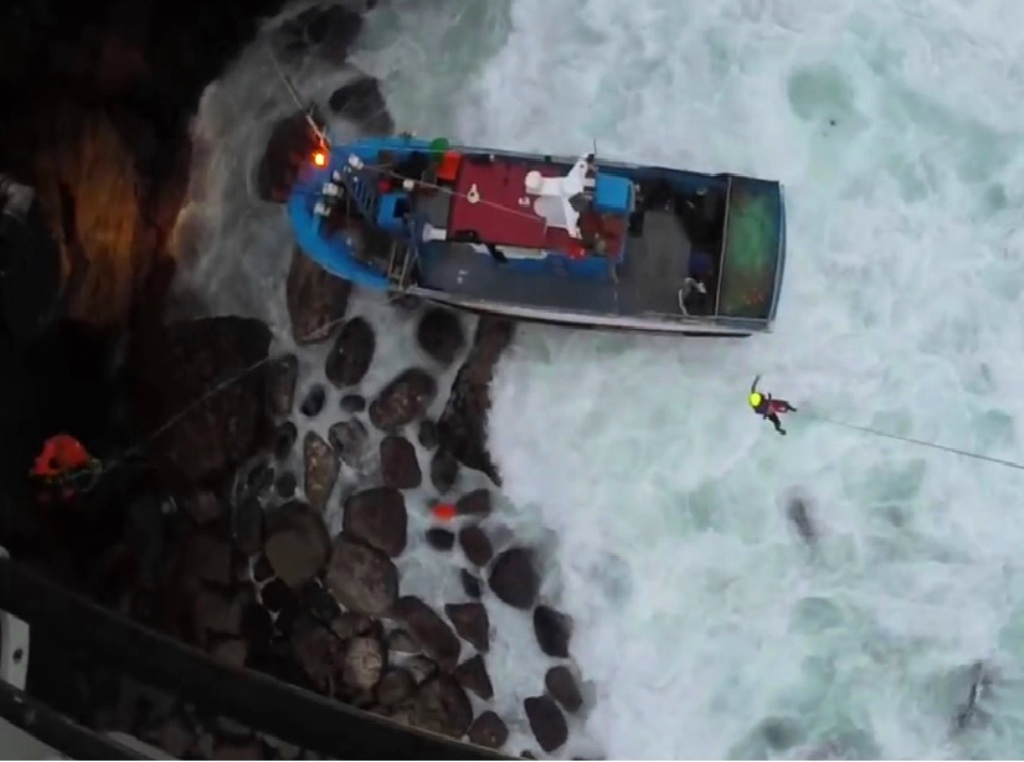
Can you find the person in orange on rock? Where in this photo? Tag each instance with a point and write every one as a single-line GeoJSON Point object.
{"type": "Point", "coordinates": [66, 465]}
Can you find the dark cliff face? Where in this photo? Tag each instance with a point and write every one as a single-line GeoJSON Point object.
{"type": "Point", "coordinates": [97, 98]}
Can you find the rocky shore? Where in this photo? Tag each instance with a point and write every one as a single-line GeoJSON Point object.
{"type": "Point", "coordinates": [288, 522]}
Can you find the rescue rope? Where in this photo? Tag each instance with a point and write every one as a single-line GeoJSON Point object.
{"type": "Point", "coordinates": [920, 442]}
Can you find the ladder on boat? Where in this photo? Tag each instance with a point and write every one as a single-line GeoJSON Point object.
{"type": "Point", "coordinates": [361, 186]}
{"type": "Point", "coordinates": [405, 252]}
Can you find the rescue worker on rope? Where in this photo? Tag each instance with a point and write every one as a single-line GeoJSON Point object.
{"type": "Point", "coordinates": [768, 408]}
{"type": "Point", "coordinates": [65, 468]}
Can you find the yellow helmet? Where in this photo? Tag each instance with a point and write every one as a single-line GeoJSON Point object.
{"type": "Point", "coordinates": [754, 399]}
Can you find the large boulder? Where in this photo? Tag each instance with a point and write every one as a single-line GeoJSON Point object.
{"type": "Point", "coordinates": [463, 425]}
{"type": "Point", "coordinates": [403, 400]}
{"type": "Point", "coordinates": [350, 441]}
{"type": "Point", "coordinates": [472, 675]}
{"type": "Point", "coordinates": [471, 622]}
{"type": "Point", "coordinates": [378, 517]}
{"type": "Point", "coordinates": [398, 464]}
{"type": "Point", "coordinates": [297, 544]}
{"type": "Point", "coordinates": [440, 335]}
{"type": "Point", "coordinates": [361, 577]}
{"type": "Point", "coordinates": [547, 722]}
{"type": "Point", "coordinates": [488, 730]}
{"type": "Point", "coordinates": [553, 630]}
{"type": "Point", "coordinates": [430, 630]}
{"type": "Point", "coordinates": [317, 300]}
{"type": "Point", "coordinates": [290, 147]}
{"type": "Point", "coordinates": [440, 705]}
{"type": "Point", "coordinates": [200, 387]}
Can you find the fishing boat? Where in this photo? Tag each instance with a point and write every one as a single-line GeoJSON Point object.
{"type": "Point", "coordinates": [564, 240]}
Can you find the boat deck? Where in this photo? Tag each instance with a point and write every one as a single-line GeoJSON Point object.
{"type": "Point", "coordinates": [655, 267]}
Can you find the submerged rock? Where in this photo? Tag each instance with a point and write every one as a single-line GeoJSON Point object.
{"type": "Point", "coordinates": [444, 470]}
{"type": "Point", "coordinates": [350, 441]}
{"type": "Point", "coordinates": [475, 503]}
{"type": "Point", "coordinates": [476, 545]}
{"type": "Point", "coordinates": [362, 102]}
{"type": "Point", "coordinates": [313, 403]}
{"type": "Point", "coordinates": [353, 403]}
{"type": "Point", "coordinates": [440, 539]}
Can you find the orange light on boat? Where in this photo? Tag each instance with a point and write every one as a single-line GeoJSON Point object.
{"type": "Point", "coordinates": [320, 158]}
{"type": "Point", "coordinates": [444, 511]}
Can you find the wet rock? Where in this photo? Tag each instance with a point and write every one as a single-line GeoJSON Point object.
{"type": "Point", "coordinates": [514, 579]}
{"type": "Point", "coordinates": [422, 668]}
{"type": "Point", "coordinates": [395, 686]}
{"type": "Point", "coordinates": [319, 603]}
{"type": "Point", "coordinates": [799, 515]}
{"type": "Point", "coordinates": [553, 630]}
{"type": "Point", "coordinates": [428, 435]}
{"type": "Point", "coordinates": [282, 377]}
{"type": "Point", "coordinates": [399, 467]}
{"type": "Point", "coordinates": [262, 570]}
{"type": "Point", "coordinates": [297, 544]}
{"type": "Point", "coordinates": [291, 143]}
{"type": "Point", "coordinates": [257, 625]}
{"type": "Point", "coordinates": [404, 399]}
{"type": "Point", "coordinates": [215, 614]}
{"type": "Point", "coordinates": [471, 623]}
{"type": "Point", "coordinates": [232, 652]}
{"type": "Point", "coordinates": [364, 661]}
{"type": "Point", "coordinates": [285, 486]}
{"type": "Point", "coordinates": [470, 584]}
{"type": "Point", "coordinates": [349, 624]}
{"type": "Point", "coordinates": [378, 517]}
{"type": "Point", "coordinates": [202, 507]}
{"type": "Point", "coordinates": [472, 675]}
{"type": "Point", "coordinates": [328, 30]}
{"type": "Point", "coordinates": [284, 439]}
{"type": "Point", "coordinates": [174, 737]}
{"type": "Point", "coordinates": [260, 478]}
{"type": "Point", "coordinates": [204, 558]}
{"type": "Point", "coordinates": [361, 577]}
{"type": "Point", "coordinates": [362, 102]}
{"type": "Point", "coordinates": [319, 653]}
{"type": "Point", "coordinates": [475, 503]}
{"type": "Point", "coordinates": [440, 334]}
{"type": "Point", "coordinates": [444, 470]}
{"type": "Point", "coordinates": [562, 687]}
{"type": "Point", "coordinates": [402, 642]}
{"type": "Point", "coordinates": [175, 367]}
{"type": "Point", "coordinates": [429, 629]}
{"type": "Point", "coordinates": [476, 545]}
{"type": "Point", "coordinates": [350, 441]}
{"type": "Point", "coordinates": [547, 722]}
{"type": "Point", "coordinates": [316, 300]}
{"type": "Point", "coordinates": [247, 520]}
{"type": "Point", "coordinates": [488, 730]}
{"type": "Point", "coordinates": [440, 539]}
{"type": "Point", "coordinates": [277, 596]}
{"type": "Point", "coordinates": [352, 353]}
{"type": "Point", "coordinates": [440, 705]}
{"type": "Point", "coordinates": [463, 424]}
{"type": "Point", "coordinates": [353, 403]}
{"type": "Point", "coordinates": [321, 470]}
{"type": "Point", "coordinates": [313, 403]}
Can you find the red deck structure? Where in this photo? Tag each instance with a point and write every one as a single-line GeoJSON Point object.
{"type": "Point", "coordinates": [503, 215]}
